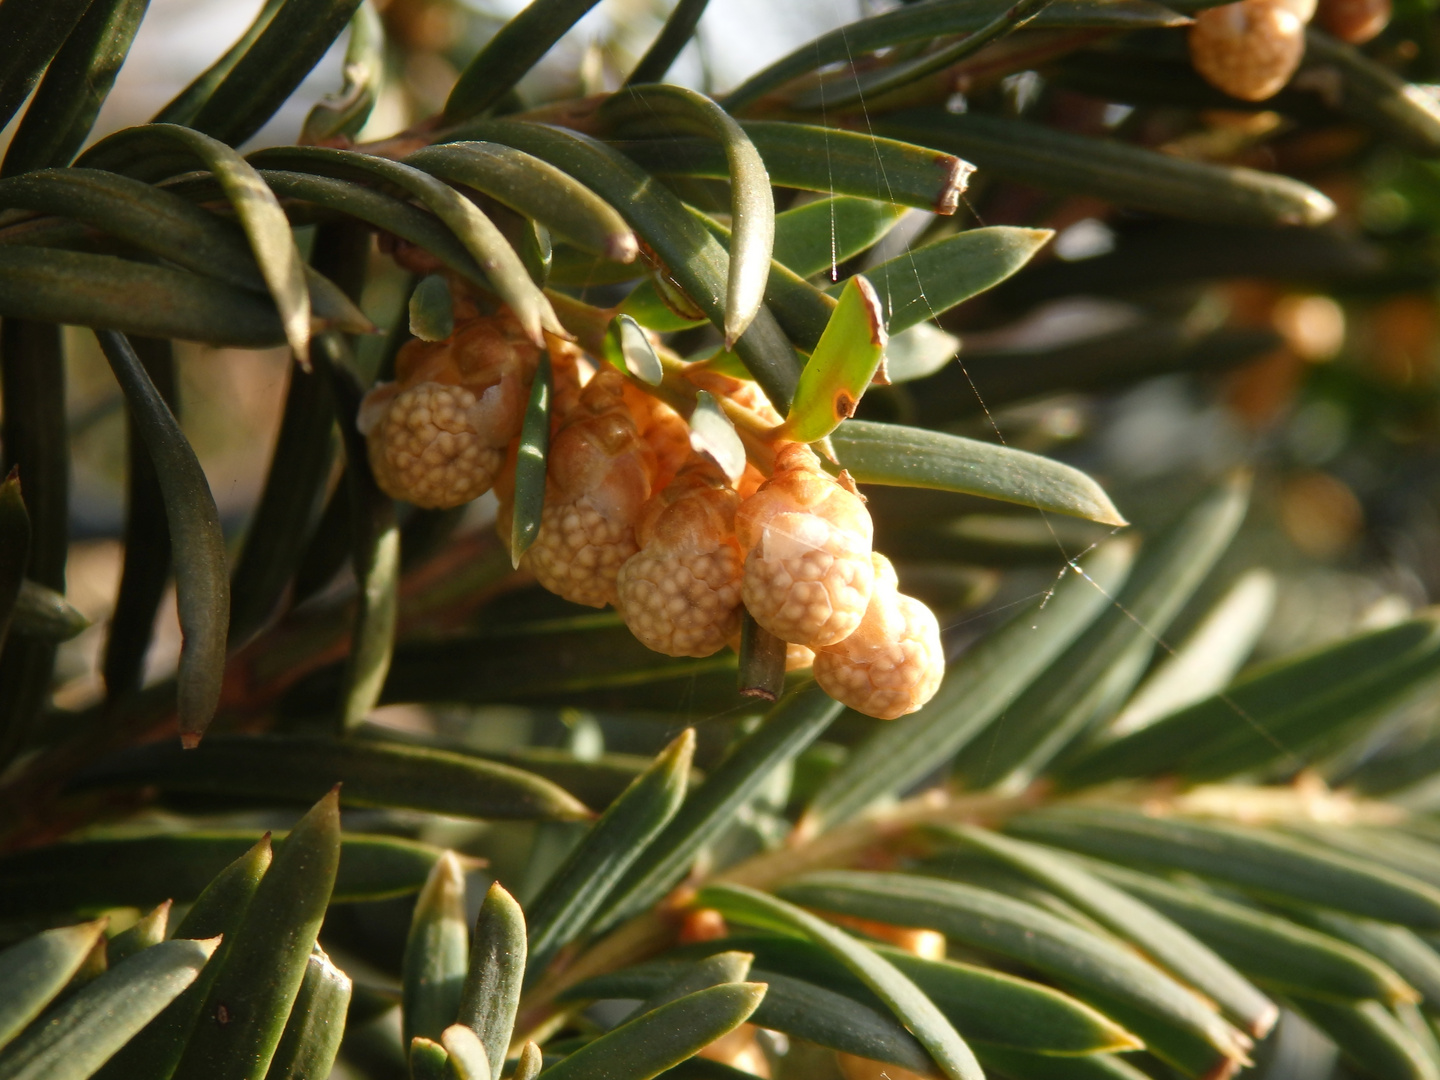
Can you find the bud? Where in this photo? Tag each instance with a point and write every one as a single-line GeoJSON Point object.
{"type": "Point", "coordinates": [740, 1051]}
{"type": "Point", "coordinates": [701, 924]}
{"type": "Point", "coordinates": [807, 569]}
{"type": "Point", "coordinates": [680, 595]}
{"type": "Point", "coordinates": [410, 256]}
{"type": "Point", "coordinates": [566, 363]}
{"type": "Point", "coordinates": [927, 944]}
{"type": "Point", "coordinates": [1249, 49]}
{"type": "Point", "coordinates": [893, 663]}
{"type": "Point", "coordinates": [1353, 21]}
{"type": "Point", "coordinates": [597, 482]}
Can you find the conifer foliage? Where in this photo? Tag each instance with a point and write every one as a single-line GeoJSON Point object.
{"type": "Point", "coordinates": [744, 726]}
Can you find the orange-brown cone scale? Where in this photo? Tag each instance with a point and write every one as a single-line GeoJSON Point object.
{"type": "Point", "coordinates": [565, 364]}
{"type": "Point", "coordinates": [665, 430]}
{"type": "Point", "coordinates": [807, 541]}
{"type": "Point", "coordinates": [437, 435]}
{"type": "Point", "coordinates": [742, 392]}
{"type": "Point", "coordinates": [597, 482]}
{"type": "Point", "coordinates": [1249, 49]}
{"type": "Point", "coordinates": [893, 663]}
{"type": "Point", "coordinates": [1353, 21]}
{"type": "Point", "coordinates": [680, 594]}
{"type": "Point", "coordinates": [478, 351]}
{"type": "Point", "coordinates": [751, 481]}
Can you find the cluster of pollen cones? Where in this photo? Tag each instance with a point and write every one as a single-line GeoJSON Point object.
{"type": "Point", "coordinates": [1251, 49]}
{"type": "Point", "coordinates": [635, 518]}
